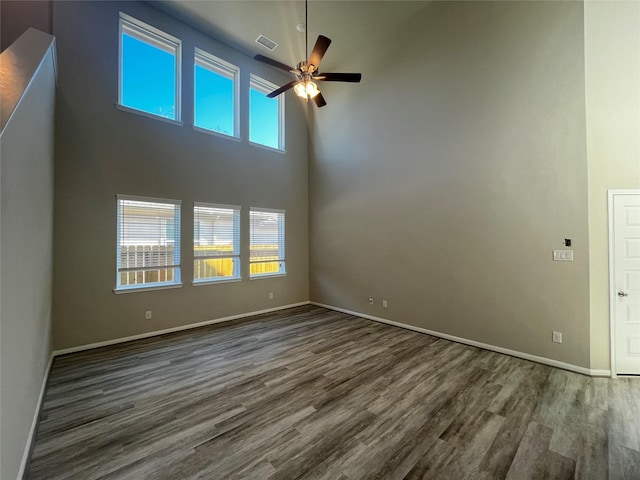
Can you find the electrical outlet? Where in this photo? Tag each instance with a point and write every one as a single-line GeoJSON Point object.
{"type": "Point", "coordinates": [563, 255]}
{"type": "Point", "coordinates": [370, 300]}
{"type": "Point", "coordinates": [384, 304]}
{"type": "Point", "coordinates": [147, 315]}
{"type": "Point", "coordinates": [271, 295]}
{"type": "Point", "coordinates": [557, 337]}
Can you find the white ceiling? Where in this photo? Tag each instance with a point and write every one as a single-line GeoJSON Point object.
{"type": "Point", "coordinates": [355, 27]}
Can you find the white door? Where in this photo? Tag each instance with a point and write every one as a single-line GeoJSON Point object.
{"type": "Point", "coordinates": [625, 289]}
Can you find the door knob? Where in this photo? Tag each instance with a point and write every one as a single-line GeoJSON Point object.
{"type": "Point", "coordinates": [622, 294]}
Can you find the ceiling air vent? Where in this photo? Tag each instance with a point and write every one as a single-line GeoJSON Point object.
{"type": "Point", "coordinates": [266, 42]}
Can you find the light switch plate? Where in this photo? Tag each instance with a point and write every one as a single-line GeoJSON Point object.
{"type": "Point", "coordinates": [563, 255]}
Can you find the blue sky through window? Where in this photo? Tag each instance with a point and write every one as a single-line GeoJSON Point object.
{"type": "Point", "coordinates": [263, 121]}
{"type": "Point", "coordinates": [148, 78]}
{"type": "Point", "coordinates": [213, 101]}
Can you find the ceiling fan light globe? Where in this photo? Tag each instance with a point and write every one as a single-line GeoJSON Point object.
{"type": "Point", "coordinates": [311, 89]}
{"type": "Point", "coordinates": [300, 90]}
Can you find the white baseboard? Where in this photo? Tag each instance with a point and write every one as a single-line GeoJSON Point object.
{"type": "Point", "coordinates": [34, 423]}
{"type": "Point", "coordinates": [514, 353]}
{"type": "Point", "coordinates": [115, 341]}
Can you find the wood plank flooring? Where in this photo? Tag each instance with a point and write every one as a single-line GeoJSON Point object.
{"type": "Point", "coordinates": [316, 394]}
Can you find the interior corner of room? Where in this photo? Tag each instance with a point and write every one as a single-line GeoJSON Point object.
{"type": "Point", "coordinates": [437, 195]}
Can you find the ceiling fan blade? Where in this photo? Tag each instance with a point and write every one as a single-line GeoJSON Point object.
{"type": "Point", "coordinates": [273, 63]}
{"type": "Point", "coordinates": [319, 49]}
{"type": "Point", "coordinates": [283, 89]}
{"type": "Point", "coordinates": [320, 101]}
{"type": "Point", "coordinates": [339, 77]}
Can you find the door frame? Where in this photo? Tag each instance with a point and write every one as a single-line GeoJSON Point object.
{"type": "Point", "coordinates": [612, 286]}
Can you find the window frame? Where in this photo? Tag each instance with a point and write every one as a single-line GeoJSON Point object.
{"type": "Point", "coordinates": [237, 245]}
{"type": "Point", "coordinates": [265, 87]}
{"type": "Point", "coordinates": [158, 39]}
{"type": "Point", "coordinates": [204, 59]}
{"type": "Point", "coordinates": [177, 266]}
{"type": "Point", "coordinates": [281, 247]}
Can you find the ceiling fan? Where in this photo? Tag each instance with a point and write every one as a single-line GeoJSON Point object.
{"type": "Point", "coordinates": [306, 72]}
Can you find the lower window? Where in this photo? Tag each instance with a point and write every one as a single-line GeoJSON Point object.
{"type": "Point", "coordinates": [266, 242]}
{"type": "Point", "coordinates": [216, 242]}
{"type": "Point", "coordinates": [148, 252]}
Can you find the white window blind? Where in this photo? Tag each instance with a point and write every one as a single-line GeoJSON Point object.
{"type": "Point", "coordinates": [267, 233]}
{"type": "Point", "coordinates": [148, 242]}
{"type": "Point", "coordinates": [216, 242]}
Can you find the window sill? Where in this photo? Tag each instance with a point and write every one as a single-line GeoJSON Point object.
{"type": "Point", "coordinates": [266, 147]}
{"type": "Point", "coordinates": [213, 282]}
{"type": "Point", "coordinates": [148, 115]}
{"type": "Point", "coordinates": [216, 134]}
{"type": "Point", "coordinates": [267, 275]}
{"type": "Point", "coordinates": [146, 288]}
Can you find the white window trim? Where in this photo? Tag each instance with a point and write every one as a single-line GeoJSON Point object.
{"type": "Point", "coordinates": [264, 86]}
{"type": "Point", "coordinates": [216, 134]}
{"type": "Point", "coordinates": [221, 67]}
{"type": "Point", "coordinates": [267, 275]}
{"type": "Point", "coordinates": [159, 286]}
{"type": "Point", "coordinates": [142, 113]}
{"type": "Point", "coordinates": [147, 287]}
{"type": "Point", "coordinates": [198, 283]}
{"type": "Point", "coordinates": [159, 39]}
{"type": "Point", "coordinates": [267, 147]}
{"type": "Point", "coordinates": [238, 277]}
{"type": "Point", "coordinates": [282, 234]}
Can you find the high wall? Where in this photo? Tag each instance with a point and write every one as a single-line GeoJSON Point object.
{"type": "Point", "coordinates": [27, 76]}
{"type": "Point", "coordinates": [444, 180]}
{"type": "Point", "coordinates": [16, 16]}
{"type": "Point", "coordinates": [102, 151]}
{"type": "Point", "coordinates": [612, 74]}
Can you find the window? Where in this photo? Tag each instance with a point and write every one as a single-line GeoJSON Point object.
{"type": "Point", "coordinates": [215, 94]}
{"type": "Point", "coordinates": [216, 242]}
{"type": "Point", "coordinates": [266, 231]}
{"type": "Point", "coordinates": [266, 115]}
{"type": "Point", "coordinates": [149, 77]}
{"type": "Point", "coordinates": [148, 243]}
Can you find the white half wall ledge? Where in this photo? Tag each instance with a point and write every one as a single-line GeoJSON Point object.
{"type": "Point", "coordinates": [485, 346]}
{"type": "Point", "coordinates": [189, 326]}
{"type": "Point", "coordinates": [18, 65]}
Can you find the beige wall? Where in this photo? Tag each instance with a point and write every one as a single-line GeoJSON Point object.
{"type": "Point", "coordinates": [102, 151]}
{"type": "Point", "coordinates": [26, 238]}
{"type": "Point", "coordinates": [612, 73]}
{"type": "Point", "coordinates": [444, 180]}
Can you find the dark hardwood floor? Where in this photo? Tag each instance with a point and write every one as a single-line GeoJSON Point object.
{"type": "Point", "coordinates": [311, 393]}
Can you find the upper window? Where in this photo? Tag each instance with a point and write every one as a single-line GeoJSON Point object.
{"type": "Point", "coordinates": [215, 94]}
{"type": "Point", "coordinates": [216, 242]}
{"type": "Point", "coordinates": [149, 78]}
{"type": "Point", "coordinates": [266, 115]}
{"type": "Point", "coordinates": [266, 232]}
{"type": "Point", "coordinates": [148, 243]}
